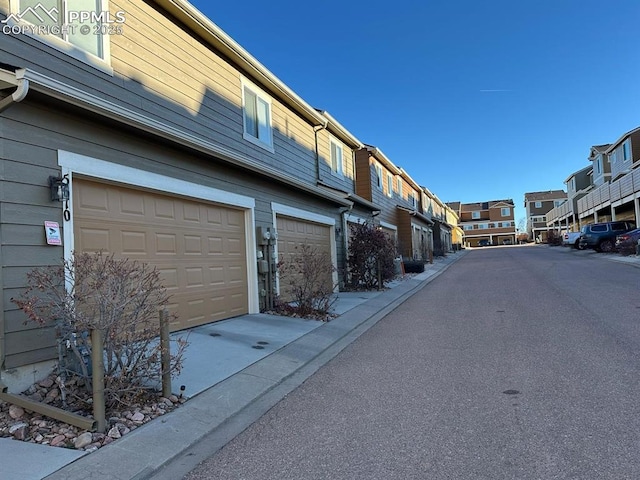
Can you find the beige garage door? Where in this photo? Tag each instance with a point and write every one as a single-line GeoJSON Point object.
{"type": "Point", "coordinates": [199, 248]}
{"type": "Point", "coordinates": [293, 232]}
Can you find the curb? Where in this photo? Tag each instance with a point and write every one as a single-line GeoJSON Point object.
{"type": "Point", "coordinates": [172, 445]}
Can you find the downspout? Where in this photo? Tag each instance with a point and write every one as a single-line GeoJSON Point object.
{"type": "Point", "coordinates": [316, 129]}
{"type": "Point", "coordinates": [345, 242]}
{"type": "Point", "coordinates": [17, 96]}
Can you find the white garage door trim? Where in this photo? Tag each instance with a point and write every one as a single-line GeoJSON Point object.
{"type": "Point", "coordinates": [100, 169]}
{"type": "Point", "coordinates": [286, 210]}
{"type": "Point", "coordinates": [389, 226]}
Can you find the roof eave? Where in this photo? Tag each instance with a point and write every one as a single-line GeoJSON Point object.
{"type": "Point", "coordinates": [216, 37]}
{"type": "Point", "coordinates": [340, 131]}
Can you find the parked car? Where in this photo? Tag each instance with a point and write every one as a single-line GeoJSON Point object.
{"type": "Point", "coordinates": [626, 243]}
{"type": "Point", "coordinates": [571, 239]}
{"type": "Point", "coordinates": [602, 236]}
{"type": "Point", "coordinates": [484, 243]}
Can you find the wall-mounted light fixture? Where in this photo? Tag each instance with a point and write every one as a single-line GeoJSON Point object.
{"type": "Point", "coordinates": [59, 187]}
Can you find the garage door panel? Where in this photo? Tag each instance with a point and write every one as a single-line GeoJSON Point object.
{"type": "Point", "coordinates": [99, 239]}
{"type": "Point", "coordinates": [169, 278]}
{"type": "Point", "coordinates": [192, 244]}
{"type": "Point", "coordinates": [164, 209]}
{"type": "Point", "coordinates": [294, 232]}
{"type": "Point", "coordinates": [174, 235]}
{"type": "Point", "coordinates": [133, 242]}
{"type": "Point", "coordinates": [131, 204]}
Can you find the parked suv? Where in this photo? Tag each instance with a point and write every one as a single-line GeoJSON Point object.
{"type": "Point", "coordinates": [602, 236]}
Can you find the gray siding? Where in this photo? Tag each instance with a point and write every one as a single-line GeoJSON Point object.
{"type": "Point", "coordinates": [31, 134]}
{"type": "Point", "coordinates": [161, 71]}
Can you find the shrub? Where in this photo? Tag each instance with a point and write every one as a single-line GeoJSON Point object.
{"type": "Point", "coordinates": [554, 238]}
{"type": "Point", "coordinates": [121, 298]}
{"type": "Point", "coordinates": [371, 255]}
{"type": "Point", "coordinates": [306, 280]}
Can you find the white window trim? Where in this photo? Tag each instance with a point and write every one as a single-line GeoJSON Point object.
{"type": "Point", "coordinates": [502, 209]}
{"type": "Point", "coordinates": [339, 171]}
{"type": "Point", "coordinates": [102, 64]}
{"type": "Point", "coordinates": [537, 204]}
{"type": "Point", "coordinates": [246, 84]}
{"type": "Point", "coordinates": [74, 163]}
{"type": "Point", "coordinates": [389, 184]}
{"type": "Point", "coordinates": [378, 169]}
{"type": "Point", "coordinates": [475, 215]}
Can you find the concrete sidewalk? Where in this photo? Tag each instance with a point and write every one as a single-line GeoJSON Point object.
{"type": "Point", "coordinates": [632, 260]}
{"type": "Point", "coordinates": [235, 370]}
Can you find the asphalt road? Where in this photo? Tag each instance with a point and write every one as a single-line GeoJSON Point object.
{"type": "Point", "coordinates": [516, 363]}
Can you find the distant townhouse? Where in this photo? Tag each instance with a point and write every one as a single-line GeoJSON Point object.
{"type": "Point", "coordinates": [492, 221]}
{"type": "Point", "coordinates": [616, 185]}
{"type": "Point", "coordinates": [446, 232]}
{"type": "Point", "coordinates": [608, 189]}
{"type": "Point", "coordinates": [564, 217]}
{"type": "Point", "coordinates": [457, 233]}
{"type": "Point", "coordinates": [398, 196]}
{"type": "Point", "coordinates": [537, 205]}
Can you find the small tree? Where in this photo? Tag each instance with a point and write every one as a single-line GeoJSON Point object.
{"type": "Point", "coordinates": [306, 279]}
{"type": "Point", "coordinates": [371, 255]}
{"type": "Point", "coordinates": [121, 298]}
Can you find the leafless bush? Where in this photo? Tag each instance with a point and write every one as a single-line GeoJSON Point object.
{"type": "Point", "coordinates": [371, 254]}
{"type": "Point", "coordinates": [306, 280]}
{"type": "Point", "coordinates": [121, 298]}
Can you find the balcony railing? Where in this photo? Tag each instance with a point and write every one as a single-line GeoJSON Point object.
{"type": "Point", "coordinates": [559, 213]}
{"type": "Point", "coordinates": [618, 190]}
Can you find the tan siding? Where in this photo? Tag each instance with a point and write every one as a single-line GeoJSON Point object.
{"type": "Point", "coordinates": [405, 239]}
{"type": "Point", "coordinates": [364, 176]}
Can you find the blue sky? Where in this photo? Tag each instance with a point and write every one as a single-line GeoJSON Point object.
{"type": "Point", "coordinates": [476, 100]}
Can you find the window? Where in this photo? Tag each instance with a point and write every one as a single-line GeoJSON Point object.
{"type": "Point", "coordinates": [467, 227]}
{"type": "Point", "coordinates": [50, 18]}
{"type": "Point", "coordinates": [336, 158]}
{"type": "Point", "coordinates": [412, 199]}
{"type": "Point", "coordinates": [389, 184]}
{"type": "Point", "coordinates": [483, 226]}
{"type": "Point", "coordinates": [538, 204]}
{"type": "Point", "coordinates": [599, 164]}
{"type": "Point", "coordinates": [256, 109]}
{"type": "Point", "coordinates": [378, 176]}
{"type": "Point", "coordinates": [625, 151]}
{"type": "Point", "coordinates": [399, 186]}
{"type": "Point", "coordinates": [475, 215]}
{"type": "Point", "coordinates": [557, 203]}
{"type": "Point", "coordinates": [505, 211]}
